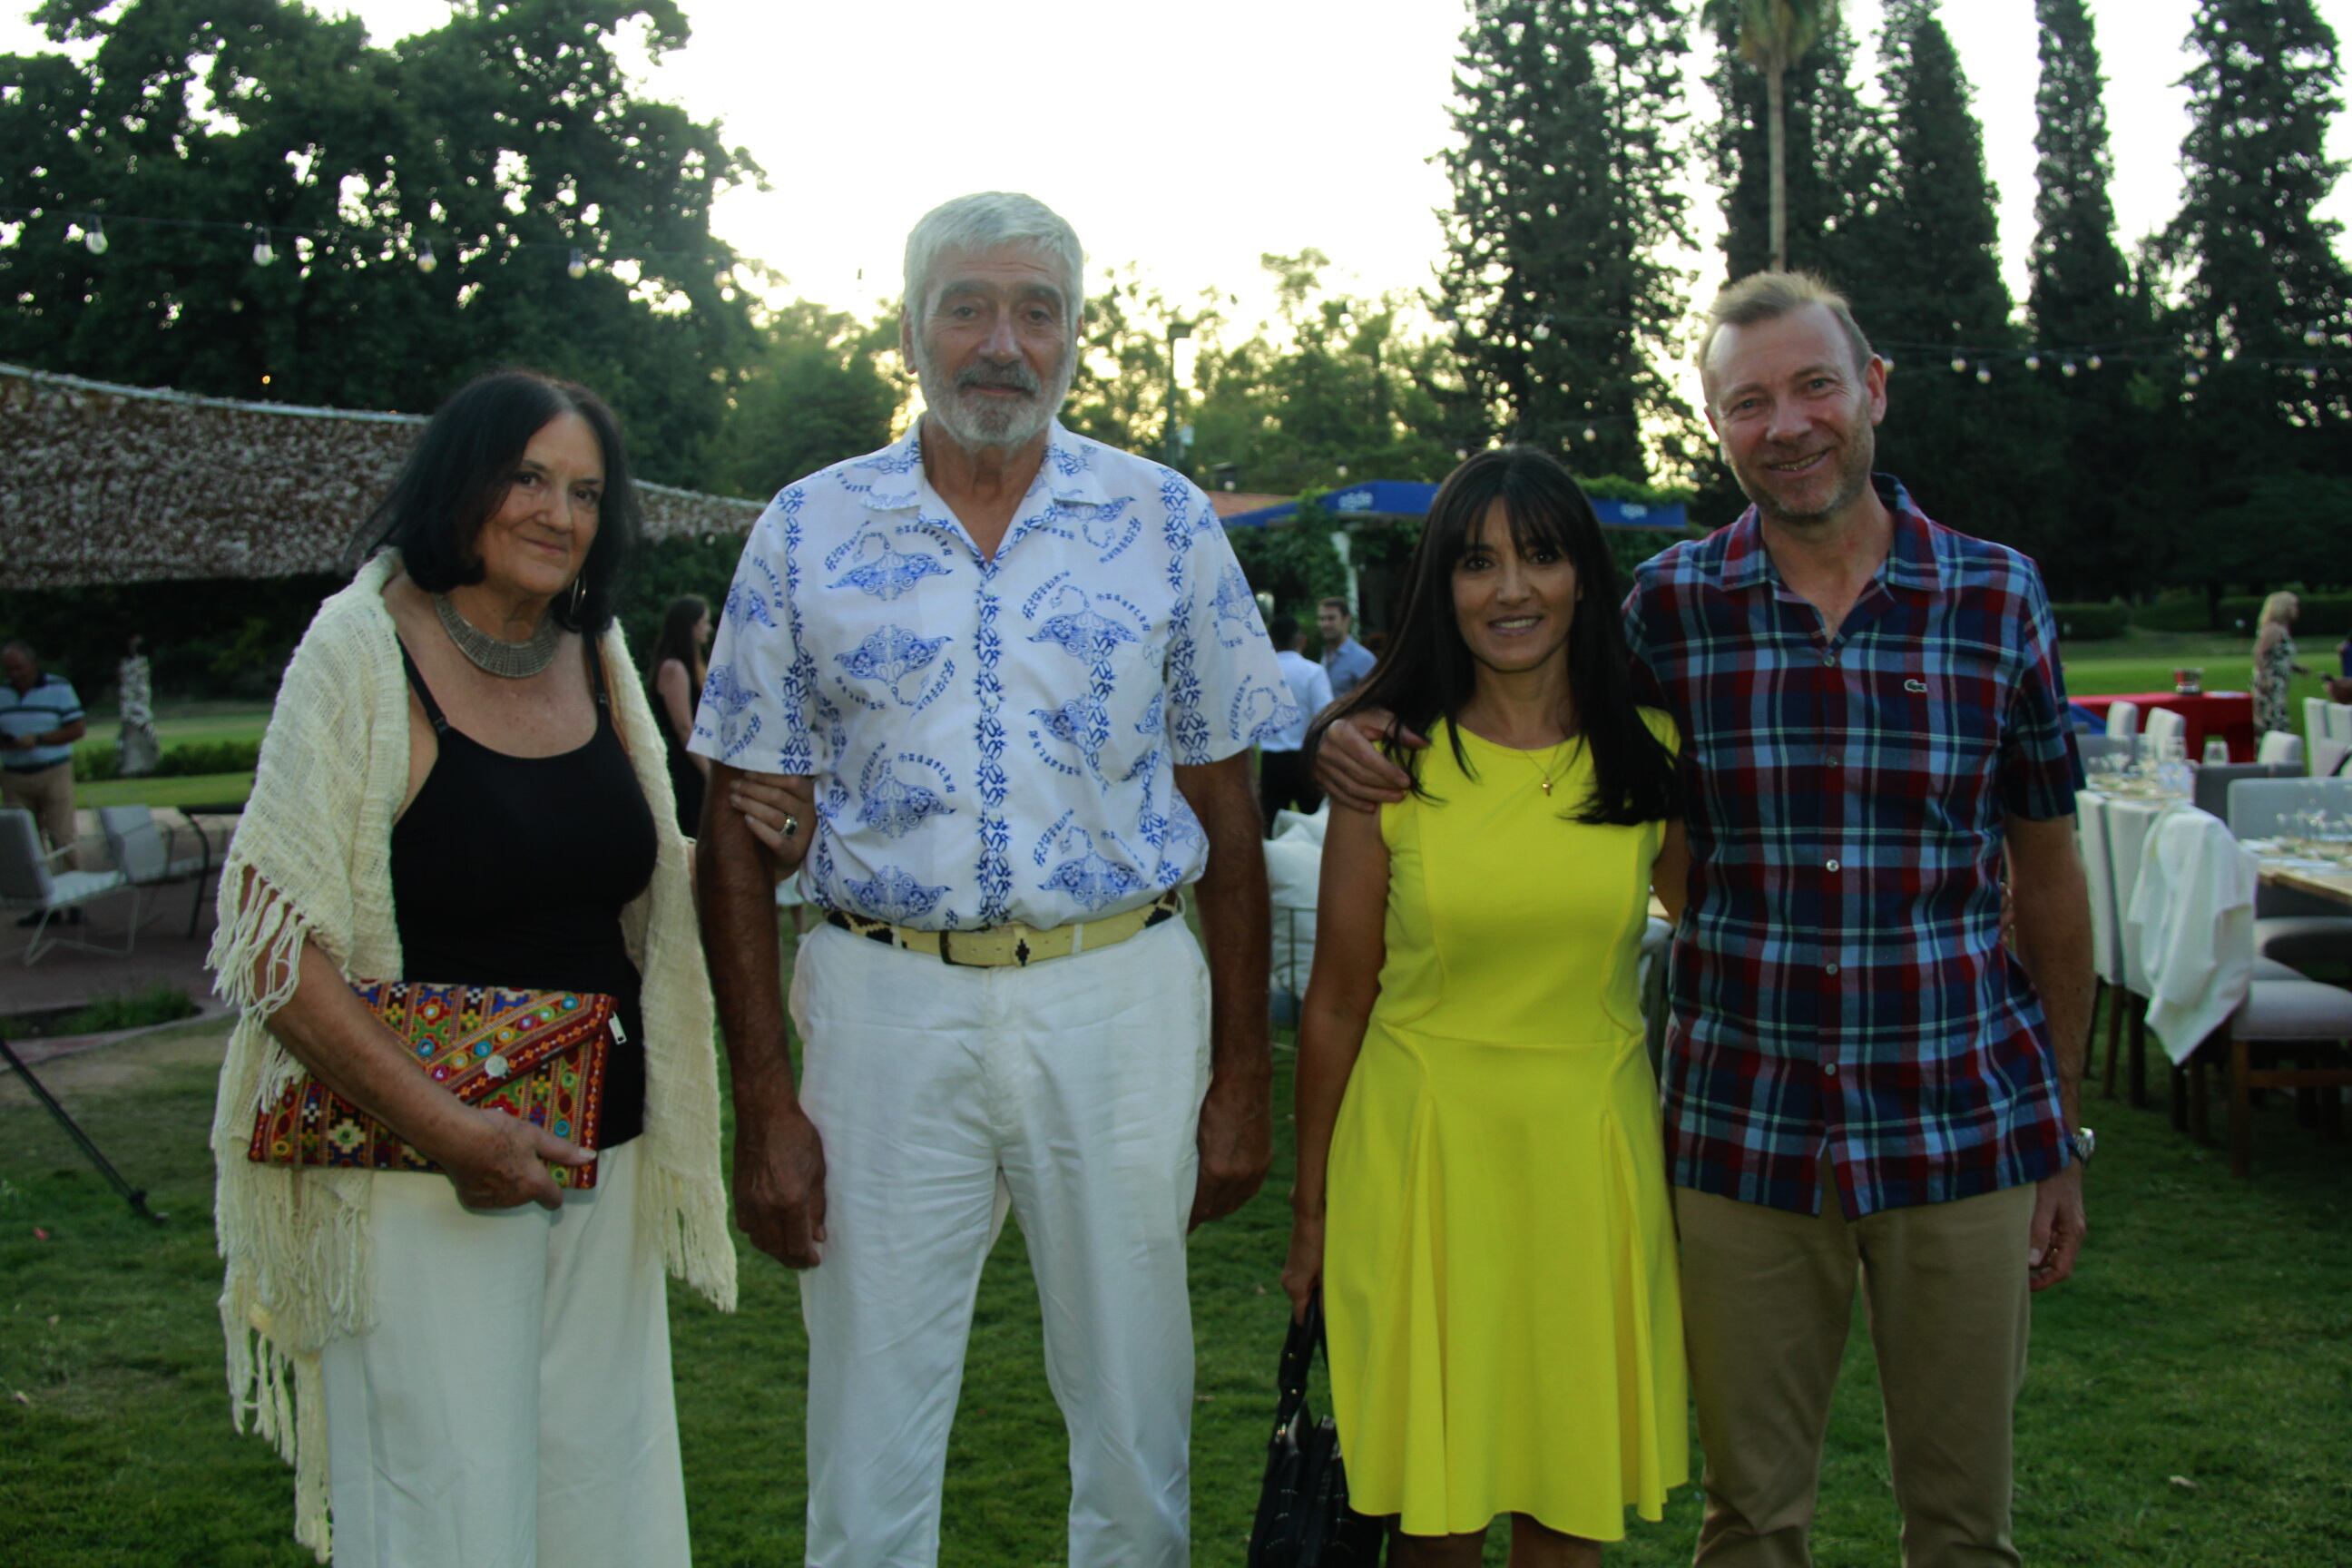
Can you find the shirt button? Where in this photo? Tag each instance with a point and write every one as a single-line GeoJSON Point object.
{"type": "Point", "coordinates": [1834, 865]}
{"type": "Point", "coordinates": [1835, 761]}
{"type": "Point", "coordinates": [1830, 1070]}
{"type": "Point", "coordinates": [1832, 969]}
{"type": "Point", "coordinates": [1829, 657]}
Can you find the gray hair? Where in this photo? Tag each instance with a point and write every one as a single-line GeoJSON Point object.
{"type": "Point", "coordinates": [984, 221]}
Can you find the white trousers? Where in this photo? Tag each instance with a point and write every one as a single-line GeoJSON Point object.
{"type": "Point", "coordinates": [1078, 1085]}
{"type": "Point", "coordinates": [511, 1407]}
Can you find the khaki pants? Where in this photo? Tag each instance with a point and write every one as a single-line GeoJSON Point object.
{"type": "Point", "coordinates": [1767, 1299]}
{"type": "Point", "coordinates": [48, 795]}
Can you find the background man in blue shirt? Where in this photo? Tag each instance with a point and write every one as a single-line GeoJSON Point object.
{"type": "Point", "coordinates": [1345, 660]}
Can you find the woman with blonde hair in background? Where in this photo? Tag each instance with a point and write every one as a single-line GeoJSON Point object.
{"type": "Point", "coordinates": [2274, 662]}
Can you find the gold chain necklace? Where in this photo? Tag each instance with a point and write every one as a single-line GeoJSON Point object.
{"type": "Point", "coordinates": [1544, 773]}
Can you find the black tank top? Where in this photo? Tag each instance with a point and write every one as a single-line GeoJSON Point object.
{"type": "Point", "coordinates": [513, 871]}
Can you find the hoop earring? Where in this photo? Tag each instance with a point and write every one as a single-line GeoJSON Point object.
{"type": "Point", "coordinates": [579, 593]}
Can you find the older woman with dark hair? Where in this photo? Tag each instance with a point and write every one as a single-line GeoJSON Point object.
{"type": "Point", "coordinates": [461, 848]}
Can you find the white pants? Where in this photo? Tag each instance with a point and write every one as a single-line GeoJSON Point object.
{"type": "Point", "coordinates": [1077, 1084]}
{"type": "Point", "coordinates": [512, 1406]}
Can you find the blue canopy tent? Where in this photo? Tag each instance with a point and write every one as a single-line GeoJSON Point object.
{"type": "Point", "coordinates": [1389, 498]}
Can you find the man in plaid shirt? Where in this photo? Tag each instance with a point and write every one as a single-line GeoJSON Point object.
{"type": "Point", "coordinates": [1860, 1079]}
{"type": "Point", "coordinates": [1862, 1082]}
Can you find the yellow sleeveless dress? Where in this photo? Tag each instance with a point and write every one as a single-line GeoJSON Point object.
{"type": "Point", "coordinates": [1499, 1280]}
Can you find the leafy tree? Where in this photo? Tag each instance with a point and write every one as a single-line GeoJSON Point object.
{"type": "Point", "coordinates": [819, 392]}
{"type": "Point", "coordinates": [1565, 198]}
{"type": "Point", "coordinates": [504, 141]}
{"type": "Point", "coordinates": [1772, 35]}
{"type": "Point", "coordinates": [2264, 294]}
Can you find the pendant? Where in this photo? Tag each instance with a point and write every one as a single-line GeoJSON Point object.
{"type": "Point", "coordinates": [1547, 787]}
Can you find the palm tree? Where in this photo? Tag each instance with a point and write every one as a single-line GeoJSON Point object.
{"type": "Point", "coordinates": [1773, 35]}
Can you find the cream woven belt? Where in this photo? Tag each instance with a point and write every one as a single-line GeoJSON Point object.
{"type": "Point", "coordinates": [995, 947]}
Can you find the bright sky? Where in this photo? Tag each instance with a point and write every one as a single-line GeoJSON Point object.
{"type": "Point", "coordinates": [1191, 139]}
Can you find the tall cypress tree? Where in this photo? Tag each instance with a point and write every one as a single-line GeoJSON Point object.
{"type": "Point", "coordinates": [1928, 284]}
{"type": "Point", "coordinates": [2265, 292]}
{"type": "Point", "coordinates": [1563, 200]}
{"type": "Point", "coordinates": [1836, 158]}
{"type": "Point", "coordinates": [2081, 299]}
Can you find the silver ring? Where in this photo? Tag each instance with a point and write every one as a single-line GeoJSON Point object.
{"type": "Point", "coordinates": [792, 824]}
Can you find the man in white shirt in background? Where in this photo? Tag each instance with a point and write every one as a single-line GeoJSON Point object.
{"type": "Point", "coordinates": [1283, 779]}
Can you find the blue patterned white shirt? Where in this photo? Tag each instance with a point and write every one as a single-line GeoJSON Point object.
{"type": "Point", "coordinates": [995, 740]}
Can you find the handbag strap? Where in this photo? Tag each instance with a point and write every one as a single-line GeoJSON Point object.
{"type": "Point", "coordinates": [1298, 1349]}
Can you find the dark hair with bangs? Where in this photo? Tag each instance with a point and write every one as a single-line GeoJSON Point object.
{"type": "Point", "coordinates": [1427, 673]}
{"type": "Point", "coordinates": [457, 478]}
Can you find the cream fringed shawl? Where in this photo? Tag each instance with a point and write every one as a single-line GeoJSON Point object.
{"type": "Point", "coordinates": [318, 835]}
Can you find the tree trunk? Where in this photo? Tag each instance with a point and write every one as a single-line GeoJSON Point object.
{"type": "Point", "coordinates": [1775, 111]}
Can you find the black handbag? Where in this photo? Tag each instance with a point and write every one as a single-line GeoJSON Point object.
{"type": "Point", "coordinates": [1303, 1518]}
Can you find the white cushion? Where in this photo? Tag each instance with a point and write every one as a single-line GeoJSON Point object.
{"type": "Point", "coordinates": [1288, 823]}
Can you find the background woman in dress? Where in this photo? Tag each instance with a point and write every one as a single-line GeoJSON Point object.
{"type": "Point", "coordinates": [462, 783]}
{"type": "Point", "coordinates": [2274, 663]}
{"type": "Point", "coordinates": [1481, 1185]}
{"type": "Point", "coordinates": [679, 671]}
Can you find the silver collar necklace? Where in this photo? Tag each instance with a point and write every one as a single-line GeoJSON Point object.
{"type": "Point", "coordinates": [508, 660]}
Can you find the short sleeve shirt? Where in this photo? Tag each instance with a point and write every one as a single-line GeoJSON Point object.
{"type": "Point", "coordinates": [1840, 988]}
{"type": "Point", "coordinates": [993, 740]}
{"type": "Point", "coordinates": [1346, 665]}
{"type": "Point", "coordinates": [51, 704]}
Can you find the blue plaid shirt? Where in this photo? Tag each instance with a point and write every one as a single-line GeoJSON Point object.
{"type": "Point", "coordinates": [1840, 986]}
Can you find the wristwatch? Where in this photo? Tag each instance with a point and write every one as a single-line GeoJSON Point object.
{"type": "Point", "coordinates": [2083, 1141]}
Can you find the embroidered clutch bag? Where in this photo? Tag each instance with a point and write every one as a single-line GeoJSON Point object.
{"type": "Point", "coordinates": [539, 1055]}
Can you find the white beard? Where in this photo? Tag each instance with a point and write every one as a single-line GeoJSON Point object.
{"type": "Point", "coordinates": [979, 422]}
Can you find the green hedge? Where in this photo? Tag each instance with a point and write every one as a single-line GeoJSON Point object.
{"type": "Point", "coordinates": [104, 761]}
{"type": "Point", "coordinates": [2322, 615]}
{"type": "Point", "coordinates": [2182, 613]}
{"type": "Point", "coordinates": [2091, 623]}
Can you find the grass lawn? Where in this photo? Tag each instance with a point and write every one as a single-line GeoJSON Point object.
{"type": "Point", "coordinates": [2190, 1400]}
{"type": "Point", "coordinates": [184, 789]}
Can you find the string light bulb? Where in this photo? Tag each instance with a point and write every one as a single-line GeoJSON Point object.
{"type": "Point", "coordinates": [94, 238]}
{"type": "Point", "coordinates": [1591, 434]}
{"type": "Point", "coordinates": [2192, 376]}
{"type": "Point", "coordinates": [2094, 362]}
{"type": "Point", "coordinates": [2033, 361]}
{"type": "Point", "coordinates": [2313, 338]}
{"type": "Point", "coordinates": [2068, 368]}
{"type": "Point", "coordinates": [1959, 365]}
{"type": "Point", "coordinates": [578, 266]}
{"type": "Point", "coordinates": [1984, 376]}
{"type": "Point", "coordinates": [1542, 331]}
{"type": "Point", "coordinates": [263, 255]}
{"type": "Point", "coordinates": [425, 260]}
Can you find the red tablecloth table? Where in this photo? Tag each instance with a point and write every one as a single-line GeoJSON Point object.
{"type": "Point", "coordinates": [2229, 714]}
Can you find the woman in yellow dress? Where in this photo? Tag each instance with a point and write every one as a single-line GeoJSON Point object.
{"type": "Point", "coordinates": [1481, 1193]}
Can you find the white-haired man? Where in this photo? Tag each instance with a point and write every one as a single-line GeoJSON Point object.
{"type": "Point", "coordinates": [1011, 677]}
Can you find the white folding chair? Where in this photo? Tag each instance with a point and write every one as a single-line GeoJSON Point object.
{"type": "Point", "coordinates": [143, 849]}
{"type": "Point", "coordinates": [2281, 746]}
{"type": "Point", "coordinates": [2160, 729]}
{"type": "Point", "coordinates": [2123, 720]}
{"type": "Point", "coordinates": [30, 884]}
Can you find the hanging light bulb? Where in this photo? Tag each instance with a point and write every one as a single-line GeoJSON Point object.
{"type": "Point", "coordinates": [1591, 434]}
{"type": "Point", "coordinates": [425, 260]}
{"type": "Point", "coordinates": [2033, 361]}
{"type": "Point", "coordinates": [1343, 470]}
{"type": "Point", "coordinates": [1959, 365]}
{"type": "Point", "coordinates": [94, 238]}
{"type": "Point", "coordinates": [2067, 369]}
{"type": "Point", "coordinates": [2191, 376]}
{"type": "Point", "coordinates": [2313, 338]}
{"type": "Point", "coordinates": [578, 266]}
{"type": "Point", "coordinates": [262, 253]}
{"type": "Point", "coordinates": [1542, 330]}
{"type": "Point", "coordinates": [2094, 361]}
{"type": "Point", "coordinates": [2197, 351]}
{"type": "Point", "coordinates": [1461, 454]}
{"type": "Point", "coordinates": [1984, 376]}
